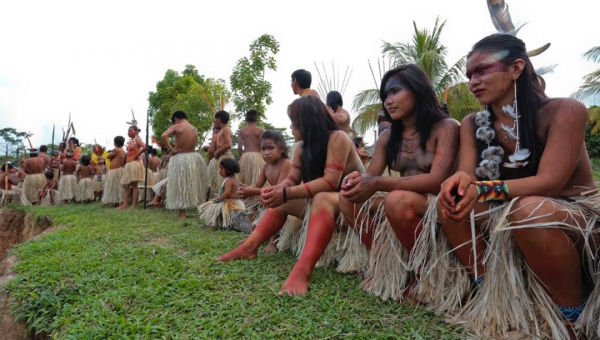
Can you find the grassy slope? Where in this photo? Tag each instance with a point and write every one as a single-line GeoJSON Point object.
{"type": "Point", "coordinates": [144, 274]}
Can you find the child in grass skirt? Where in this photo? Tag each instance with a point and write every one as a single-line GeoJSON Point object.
{"type": "Point", "coordinates": [85, 172]}
{"type": "Point", "coordinates": [98, 180]}
{"type": "Point", "coordinates": [220, 211]}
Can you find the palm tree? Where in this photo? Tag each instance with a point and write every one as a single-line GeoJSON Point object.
{"type": "Point", "coordinates": [426, 51]}
{"type": "Point", "coordinates": [590, 90]}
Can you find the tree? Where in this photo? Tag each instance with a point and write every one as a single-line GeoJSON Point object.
{"type": "Point", "coordinates": [11, 143]}
{"type": "Point", "coordinates": [248, 85]}
{"type": "Point", "coordinates": [590, 90]}
{"type": "Point", "coordinates": [427, 51]}
{"type": "Point", "coordinates": [197, 96]}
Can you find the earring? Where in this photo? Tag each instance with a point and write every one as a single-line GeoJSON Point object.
{"type": "Point", "coordinates": [519, 158]}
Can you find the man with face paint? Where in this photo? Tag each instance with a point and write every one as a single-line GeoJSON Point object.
{"type": "Point", "coordinates": [187, 171]}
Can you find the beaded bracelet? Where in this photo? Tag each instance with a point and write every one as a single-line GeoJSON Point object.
{"type": "Point", "coordinates": [491, 191]}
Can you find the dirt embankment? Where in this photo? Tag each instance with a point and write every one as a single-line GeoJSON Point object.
{"type": "Point", "coordinates": [15, 227]}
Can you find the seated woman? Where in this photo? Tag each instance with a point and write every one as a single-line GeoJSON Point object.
{"type": "Point", "coordinates": [324, 156]}
{"type": "Point", "coordinates": [517, 213]}
{"type": "Point", "coordinates": [421, 145]}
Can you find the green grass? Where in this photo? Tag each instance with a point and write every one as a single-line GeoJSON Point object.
{"type": "Point", "coordinates": [596, 168]}
{"type": "Point", "coordinates": [146, 275]}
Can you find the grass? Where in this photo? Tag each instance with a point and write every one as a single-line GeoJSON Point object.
{"type": "Point", "coordinates": [146, 275]}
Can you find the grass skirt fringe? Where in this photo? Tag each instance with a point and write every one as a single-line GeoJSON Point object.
{"type": "Point", "coordinates": [220, 214]}
{"type": "Point", "coordinates": [133, 172]}
{"type": "Point", "coordinates": [215, 179]}
{"type": "Point", "coordinates": [147, 186]}
{"type": "Point", "coordinates": [32, 184]}
{"type": "Point", "coordinates": [388, 273]}
{"type": "Point", "coordinates": [443, 282]}
{"type": "Point", "coordinates": [250, 165]}
{"type": "Point", "coordinates": [98, 183]}
{"type": "Point", "coordinates": [512, 302]}
{"type": "Point", "coordinates": [160, 188]}
{"type": "Point", "coordinates": [161, 174]}
{"type": "Point", "coordinates": [187, 173]}
{"type": "Point", "coordinates": [113, 190]}
{"type": "Point", "coordinates": [84, 190]}
{"type": "Point", "coordinates": [289, 235]}
{"type": "Point", "coordinates": [51, 196]}
{"type": "Point", "coordinates": [68, 187]}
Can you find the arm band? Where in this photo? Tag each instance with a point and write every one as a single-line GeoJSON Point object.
{"type": "Point", "coordinates": [284, 195]}
{"type": "Point", "coordinates": [491, 191]}
{"type": "Point", "coordinates": [308, 189]}
{"type": "Point", "coordinates": [334, 167]}
{"type": "Point", "coordinates": [333, 187]}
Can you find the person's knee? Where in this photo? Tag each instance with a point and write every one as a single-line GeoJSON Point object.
{"type": "Point", "coordinates": [399, 206]}
{"type": "Point", "coordinates": [532, 208]}
{"type": "Point", "coordinates": [348, 208]}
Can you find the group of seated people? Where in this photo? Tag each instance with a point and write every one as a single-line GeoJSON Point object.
{"type": "Point", "coordinates": [491, 223]}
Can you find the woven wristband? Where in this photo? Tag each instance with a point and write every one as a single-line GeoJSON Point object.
{"type": "Point", "coordinates": [491, 191]}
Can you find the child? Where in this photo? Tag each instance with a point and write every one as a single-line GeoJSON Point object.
{"type": "Point", "coordinates": [47, 195]}
{"type": "Point", "coordinates": [68, 182]}
{"type": "Point", "coordinates": [7, 181]}
{"type": "Point", "coordinates": [113, 190]}
{"type": "Point", "coordinates": [55, 164]}
{"type": "Point", "coordinates": [98, 181]}
{"type": "Point", "coordinates": [85, 172]}
{"type": "Point", "coordinates": [276, 168]}
{"type": "Point", "coordinates": [219, 212]}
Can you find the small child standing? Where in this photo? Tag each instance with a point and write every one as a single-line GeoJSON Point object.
{"type": "Point", "coordinates": [219, 212]}
{"type": "Point", "coordinates": [85, 172]}
{"type": "Point", "coordinates": [277, 167]}
{"type": "Point", "coordinates": [98, 181]}
{"type": "Point", "coordinates": [67, 186]}
{"type": "Point", "coordinates": [48, 195]}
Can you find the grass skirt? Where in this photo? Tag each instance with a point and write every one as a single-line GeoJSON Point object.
{"type": "Point", "coordinates": [47, 201]}
{"type": "Point", "coordinates": [147, 186]}
{"type": "Point", "coordinates": [133, 172]}
{"type": "Point", "coordinates": [98, 185]}
{"type": "Point", "coordinates": [161, 174]}
{"type": "Point", "coordinates": [32, 184]}
{"type": "Point", "coordinates": [84, 190]}
{"type": "Point", "coordinates": [250, 165]}
{"type": "Point", "coordinates": [67, 187]}
{"type": "Point", "coordinates": [187, 175]}
{"type": "Point", "coordinates": [160, 188]}
{"type": "Point", "coordinates": [113, 190]}
{"type": "Point", "coordinates": [220, 214]}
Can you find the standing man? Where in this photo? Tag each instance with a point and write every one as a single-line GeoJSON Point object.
{"type": "Point", "coordinates": [301, 80]}
{"type": "Point", "coordinates": [34, 178]}
{"type": "Point", "coordinates": [222, 149]}
{"type": "Point", "coordinates": [44, 155]}
{"type": "Point", "coordinates": [187, 170]}
{"type": "Point", "coordinates": [337, 112]}
{"type": "Point", "coordinates": [251, 161]}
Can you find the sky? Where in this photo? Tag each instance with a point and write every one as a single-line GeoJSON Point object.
{"type": "Point", "coordinates": [98, 60]}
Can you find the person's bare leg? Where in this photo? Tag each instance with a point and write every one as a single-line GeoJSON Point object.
{"type": "Point", "coordinates": [272, 246]}
{"type": "Point", "coordinates": [268, 226]}
{"type": "Point", "coordinates": [404, 210]}
{"type": "Point", "coordinates": [181, 214]}
{"type": "Point", "coordinates": [324, 207]}
{"type": "Point", "coordinates": [352, 214]}
{"type": "Point", "coordinates": [459, 233]}
{"type": "Point", "coordinates": [136, 195]}
{"type": "Point", "coordinates": [125, 198]}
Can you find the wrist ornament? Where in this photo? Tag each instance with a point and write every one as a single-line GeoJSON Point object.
{"type": "Point", "coordinates": [491, 191]}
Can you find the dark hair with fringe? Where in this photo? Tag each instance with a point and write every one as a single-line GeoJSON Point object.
{"type": "Point", "coordinates": [278, 139]}
{"type": "Point", "coordinates": [178, 115]}
{"type": "Point", "coordinates": [426, 108]}
{"type": "Point", "coordinates": [85, 160]}
{"type": "Point", "coordinates": [252, 115]}
{"type": "Point", "coordinates": [303, 78]}
{"type": "Point", "coordinates": [529, 93]}
{"type": "Point", "coordinates": [231, 166]}
{"type": "Point", "coordinates": [334, 100]}
{"type": "Point", "coordinates": [310, 116]}
{"type": "Point", "coordinates": [223, 116]}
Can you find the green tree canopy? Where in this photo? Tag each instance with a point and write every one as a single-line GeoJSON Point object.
{"type": "Point", "coordinates": [11, 143]}
{"type": "Point", "coordinates": [427, 51]}
{"type": "Point", "coordinates": [197, 96]}
{"type": "Point", "coordinates": [248, 85]}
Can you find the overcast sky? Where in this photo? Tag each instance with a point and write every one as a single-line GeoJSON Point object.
{"type": "Point", "coordinates": [98, 59]}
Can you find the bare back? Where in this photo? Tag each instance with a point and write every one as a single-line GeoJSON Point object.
{"type": "Point", "coordinates": [34, 165]}
{"type": "Point", "coordinates": [249, 138]}
{"type": "Point", "coordinates": [69, 166]}
{"type": "Point", "coordinates": [186, 137]}
{"type": "Point", "coordinates": [46, 159]}
{"type": "Point", "coordinates": [85, 171]}
{"type": "Point", "coordinates": [342, 118]}
{"type": "Point", "coordinates": [153, 163]}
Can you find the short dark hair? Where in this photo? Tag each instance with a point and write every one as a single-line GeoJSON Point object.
{"type": "Point", "coordinates": [334, 100]}
{"type": "Point", "coordinates": [277, 138]}
{"type": "Point", "coordinates": [231, 166]}
{"type": "Point", "coordinates": [178, 115]}
{"type": "Point", "coordinates": [154, 152]}
{"type": "Point", "coordinates": [43, 148]}
{"type": "Point", "coordinates": [119, 141]}
{"type": "Point", "coordinates": [49, 174]}
{"type": "Point", "coordinates": [223, 116]}
{"type": "Point", "coordinates": [303, 78]}
{"type": "Point", "coordinates": [252, 115]}
{"type": "Point", "coordinates": [86, 160]}
{"type": "Point", "coordinates": [75, 141]}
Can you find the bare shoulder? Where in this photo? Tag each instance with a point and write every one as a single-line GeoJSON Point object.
{"type": "Point", "coordinates": [384, 136]}
{"type": "Point", "coordinates": [340, 137]}
{"type": "Point", "coordinates": [468, 122]}
{"type": "Point", "coordinates": [565, 110]}
{"type": "Point", "coordinates": [446, 124]}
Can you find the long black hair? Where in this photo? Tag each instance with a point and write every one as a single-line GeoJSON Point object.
{"type": "Point", "coordinates": [309, 115]}
{"type": "Point", "coordinates": [426, 108]}
{"type": "Point", "coordinates": [530, 94]}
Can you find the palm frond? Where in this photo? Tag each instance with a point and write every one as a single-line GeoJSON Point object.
{"type": "Point", "coordinates": [593, 54]}
{"type": "Point", "coordinates": [366, 118]}
{"type": "Point", "coordinates": [461, 101]}
{"type": "Point", "coordinates": [587, 92]}
{"type": "Point", "coordinates": [366, 98]}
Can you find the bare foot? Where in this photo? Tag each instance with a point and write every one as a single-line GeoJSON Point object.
{"type": "Point", "coordinates": [121, 207]}
{"type": "Point", "coordinates": [240, 253]}
{"type": "Point", "coordinates": [271, 248]}
{"type": "Point", "coordinates": [296, 284]}
{"type": "Point", "coordinates": [181, 214]}
{"type": "Point", "coordinates": [132, 207]}
{"type": "Point", "coordinates": [409, 294]}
